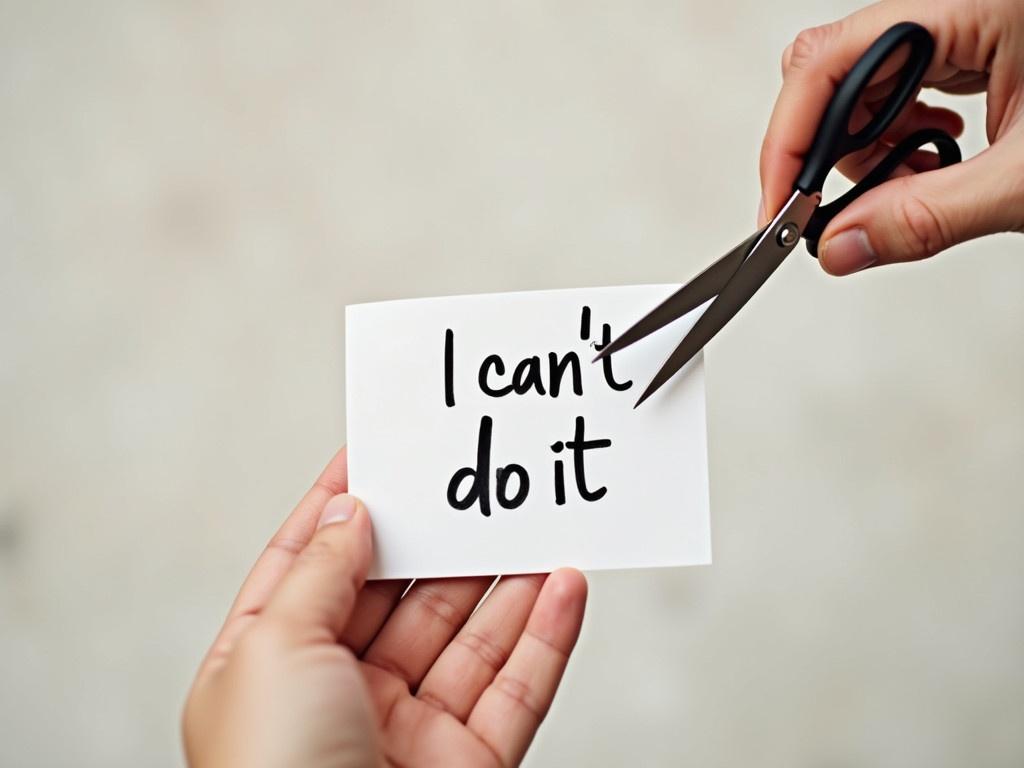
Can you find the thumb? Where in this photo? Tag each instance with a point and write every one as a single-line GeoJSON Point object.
{"type": "Point", "coordinates": [916, 216]}
{"type": "Point", "coordinates": [319, 592]}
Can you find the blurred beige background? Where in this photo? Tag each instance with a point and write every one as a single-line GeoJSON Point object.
{"type": "Point", "coordinates": [191, 192]}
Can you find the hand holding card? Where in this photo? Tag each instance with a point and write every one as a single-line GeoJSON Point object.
{"type": "Point", "coordinates": [484, 441]}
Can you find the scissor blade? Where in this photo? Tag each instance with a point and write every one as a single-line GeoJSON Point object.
{"type": "Point", "coordinates": [765, 257]}
{"type": "Point", "coordinates": [704, 286]}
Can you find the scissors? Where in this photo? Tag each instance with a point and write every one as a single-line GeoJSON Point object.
{"type": "Point", "coordinates": [734, 278]}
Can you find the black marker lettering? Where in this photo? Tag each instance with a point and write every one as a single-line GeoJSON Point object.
{"type": "Point", "coordinates": [493, 361]}
{"type": "Point", "coordinates": [479, 489]}
{"type": "Point", "coordinates": [502, 475]}
{"type": "Point", "coordinates": [606, 362]}
{"type": "Point", "coordinates": [527, 376]}
{"type": "Point", "coordinates": [556, 370]}
{"type": "Point", "coordinates": [578, 445]}
{"type": "Point", "coordinates": [559, 475]}
{"type": "Point", "coordinates": [449, 365]}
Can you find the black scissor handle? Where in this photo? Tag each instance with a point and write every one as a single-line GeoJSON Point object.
{"type": "Point", "coordinates": [833, 140]}
{"type": "Point", "coordinates": [949, 154]}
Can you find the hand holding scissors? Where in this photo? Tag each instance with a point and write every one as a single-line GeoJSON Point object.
{"type": "Point", "coordinates": [979, 48]}
{"type": "Point", "coordinates": [732, 280]}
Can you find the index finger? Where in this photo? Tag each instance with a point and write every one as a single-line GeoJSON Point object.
{"type": "Point", "coordinates": [814, 65]}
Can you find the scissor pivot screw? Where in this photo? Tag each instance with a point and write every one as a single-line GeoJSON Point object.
{"type": "Point", "coordinates": [788, 235]}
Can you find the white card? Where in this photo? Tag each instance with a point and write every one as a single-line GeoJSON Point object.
{"type": "Point", "coordinates": [573, 475]}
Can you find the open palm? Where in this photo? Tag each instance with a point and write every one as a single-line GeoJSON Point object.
{"type": "Point", "coordinates": [314, 667]}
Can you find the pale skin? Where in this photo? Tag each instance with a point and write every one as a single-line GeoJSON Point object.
{"type": "Point", "coordinates": [317, 667]}
{"type": "Point", "coordinates": [979, 48]}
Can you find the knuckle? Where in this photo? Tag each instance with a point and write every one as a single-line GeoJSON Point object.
{"type": "Point", "coordinates": [322, 547]}
{"type": "Point", "coordinates": [484, 648]}
{"type": "Point", "coordinates": [432, 601]}
{"type": "Point", "coordinates": [397, 667]}
{"type": "Point", "coordinates": [786, 56]}
{"type": "Point", "coordinates": [923, 229]}
{"type": "Point", "coordinates": [285, 544]}
{"type": "Point", "coordinates": [520, 694]}
{"type": "Point", "coordinates": [235, 628]}
{"type": "Point", "coordinates": [773, 147]}
{"type": "Point", "coordinates": [808, 45]}
{"type": "Point", "coordinates": [437, 702]}
{"type": "Point", "coordinates": [768, 149]}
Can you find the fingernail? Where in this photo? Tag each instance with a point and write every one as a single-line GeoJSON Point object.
{"type": "Point", "coordinates": [760, 213]}
{"type": "Point", "coordinates": [848, 252]}
{"type": "Point", "coordinates": [339, 509]}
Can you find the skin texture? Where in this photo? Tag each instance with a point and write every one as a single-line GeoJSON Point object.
{"type": "Point", "coordinates": [979, 48]}
{"type": "Point", "coordinates": [316, 667]}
